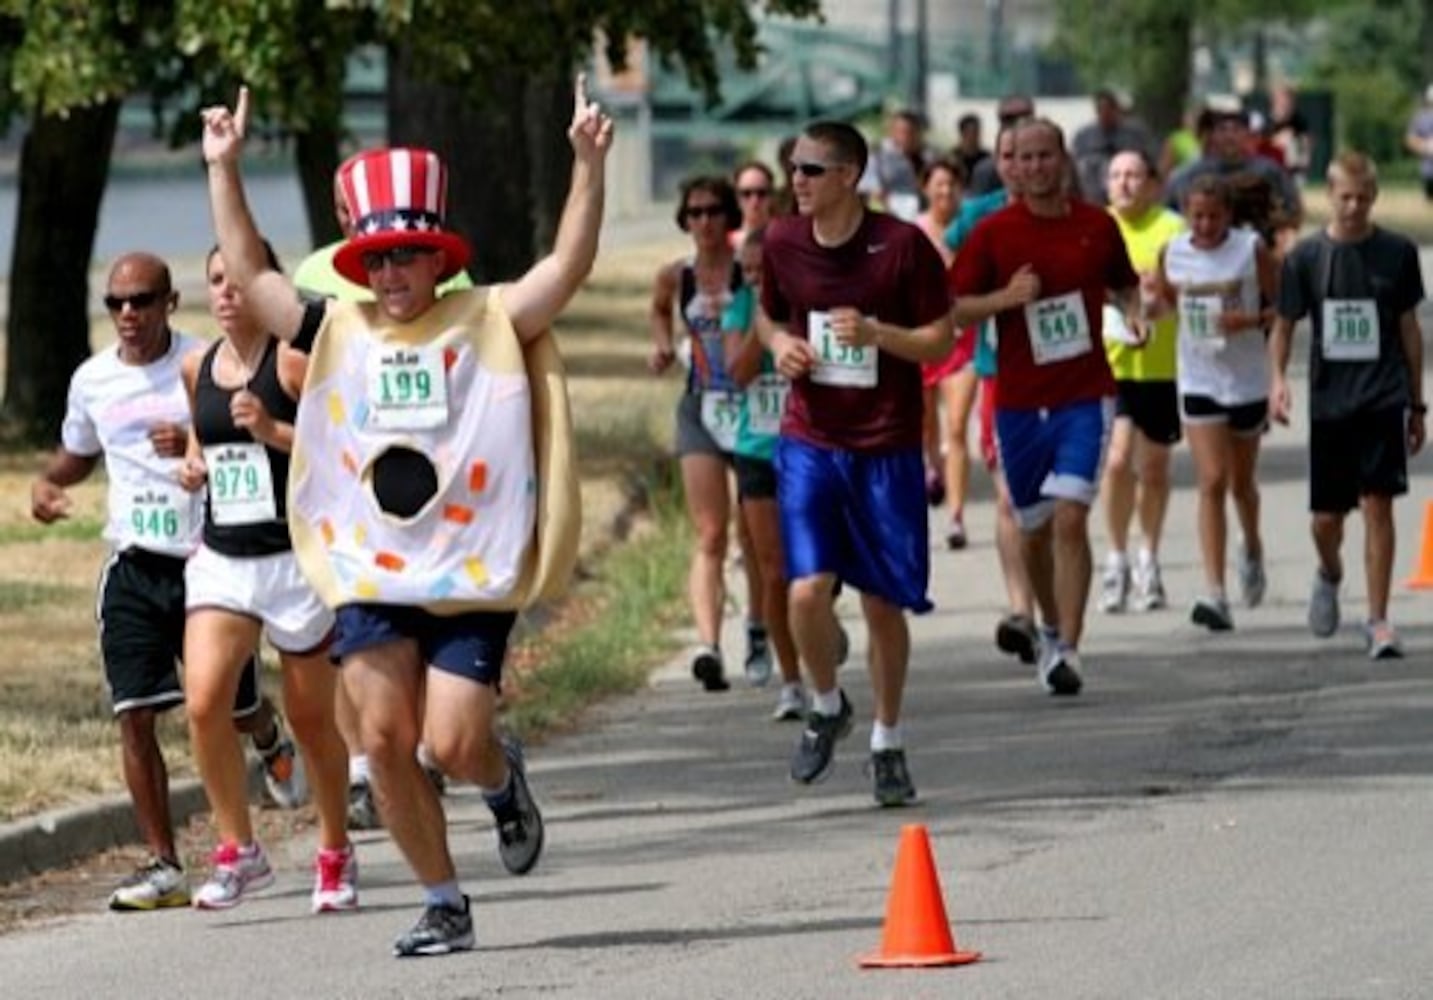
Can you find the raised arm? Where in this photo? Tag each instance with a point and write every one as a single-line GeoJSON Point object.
{"type": "Point", "coordinates": [270, 295]}
{"type": "Point", "coordinates": [536, 299]}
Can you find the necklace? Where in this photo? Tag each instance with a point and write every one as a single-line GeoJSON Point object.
{"type": "Point", "coordinates": [248, 366]}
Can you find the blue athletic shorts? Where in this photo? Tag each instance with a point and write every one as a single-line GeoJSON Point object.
{"type": "Point", "coordinates": [1051, 455]}
{"type": "Point", "coordinates": [861, 517]}
{"type": "Point", "coordinates": [471, 645]}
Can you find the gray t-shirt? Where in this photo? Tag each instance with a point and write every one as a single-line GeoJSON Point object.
{"type": "Point", "coordinates": [1382, 268]}
{"type": "Point", "coordinates": [1094, 147]}
{"type": "Point", "coordinates": [1282, 181]}
{"type": "Point", "coordinates": [1421, 127]}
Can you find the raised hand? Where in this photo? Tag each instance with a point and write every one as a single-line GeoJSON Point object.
{"type": "Point", "coordinates": [224, 130]}
{"type": "Point", "coordinates": [591, 130]}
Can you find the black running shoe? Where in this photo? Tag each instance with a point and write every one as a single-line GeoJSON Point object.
{"type": "Point", "coordinates": [441, 929]}
{"type": "Point", "coordinates": [707, 668]}
{"type": "Point", "coordinates": [890, 778]}
{"type": "Point", "coordinates": [1016, 635]}
{"type": "Point", "coordinates": [519, 823]}
{"type": "Point", "coordinates": [817, 746]}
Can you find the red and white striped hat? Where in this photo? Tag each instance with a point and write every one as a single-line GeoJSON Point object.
{"type": "Point", "coordinates": [396, 197]}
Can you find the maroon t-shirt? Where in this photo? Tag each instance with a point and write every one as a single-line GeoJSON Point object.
{"type": "Point", "coordinates": [887, 270]}
{"type": "Point", "coordinates": [1081, 254]}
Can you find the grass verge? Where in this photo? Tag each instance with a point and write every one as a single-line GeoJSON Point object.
{"type": "Point", "coordinates": [605, 636]}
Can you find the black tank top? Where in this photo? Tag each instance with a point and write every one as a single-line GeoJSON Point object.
{"type": "Point", "coordinates": [214, 425]}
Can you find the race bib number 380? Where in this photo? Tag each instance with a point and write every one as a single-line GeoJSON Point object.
{"type": "Point", "coordinates": [407, 389]}
{"type": "Point", "coordinates": [1350, 330]}
{"type": "Point", "coordinates": [241, 485]}
{"type": "Point", "coordinates": [1058, 328]}
{"type": "Point", "coordinates": [838, 363]}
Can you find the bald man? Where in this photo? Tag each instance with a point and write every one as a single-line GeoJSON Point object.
{"type": "Point", "coordinates": [128, 406]}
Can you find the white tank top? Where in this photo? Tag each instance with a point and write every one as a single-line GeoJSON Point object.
{"type": "Point", "coordinates": [1231, 369]}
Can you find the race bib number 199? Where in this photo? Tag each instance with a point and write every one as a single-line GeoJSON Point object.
{"type": "Point", "coordinates": [407, 389]}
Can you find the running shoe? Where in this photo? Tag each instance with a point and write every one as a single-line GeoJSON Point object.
{"type": "Point", "coordinates": [790, 704]}
{"type": "Point", "coordinates": [362, 809]}
{"type": "Point", "coordinates": [758, 665]}
{"type": "Point", "coordinates": [934, 488]}
{"type": "Point", "coordinates": [155, 885]}
{"type": "Point", "coordinates": [1212, 613]}
{"type": "Point", "coordinates": [435, 778]}
{"type": "Point", "coordinates": [1148, 588]}
{"type": "Point", "coordinates": [707, 668]}
{"type": "Point", "coordinates": [284, 770]}
{"type": "Point", "coordinates": [519, 823]}
{"type": "Point", "coordinates": [1114, 585]}
{"type": "Point", "coordinates": [817, 747]}
{"type": "Point", "coordinates": [1323, 606]}
{"type": "Point", "coordinates": [1060, 670]}
{"type": "Point", "coordinates": [441, 930]}
{"type": "Point", "coordinates": [843, 645]}
{"type": "Point", "coordinates": [335, 885]}
{"type": "Point", "coordinates": [1016, 635]}
{"type": "Point", "coordinates": [1252, 579]}
{"type": "Point", "coordinates": [891, 781]}
{"type": "Point", "coordinates": [955, 535]}
{"type": "Point", "coordinates": [1383, 641]}
{"type": "Point", "coordinates": [235, 873]}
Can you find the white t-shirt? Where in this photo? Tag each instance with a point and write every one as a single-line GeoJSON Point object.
{"type": "Point", "coordinates": [111, 408]}
{"type": "Point", "coordinates": [1231, 369]}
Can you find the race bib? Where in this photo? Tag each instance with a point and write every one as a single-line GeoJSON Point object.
{"type": "Point", "coordinates": [160, 517]}
{"type": "Point", "coordinates": [721, 416]}
{"type": "Point", "coordinates": [837, 363]}
{"type": "Point", "coordinates": [1350, 330]}
{"type": "Point", "coordinates": [241, 485]}
{"type": "Point", "coordinates": [1058, 328]}
{"type": "Point", "coordinates": [765, 404]}
{"type": "Point", "coordinates": [407, 389]}
{"type": "Point", "coordinates": [1199, 321]}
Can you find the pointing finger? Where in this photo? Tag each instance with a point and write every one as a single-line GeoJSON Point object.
{"type": "Point", "coordinates": [241, 112]}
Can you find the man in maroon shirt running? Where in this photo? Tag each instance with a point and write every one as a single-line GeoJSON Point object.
{"type": "Point", "coordinates": [852, 302]}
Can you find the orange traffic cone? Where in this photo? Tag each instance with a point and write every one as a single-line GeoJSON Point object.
{"type": "Point", "coordinates": [1422, 578]}
{"type": "Point", "coordinates": [917, 932]}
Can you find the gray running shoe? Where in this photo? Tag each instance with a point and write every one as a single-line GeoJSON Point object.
{"type": "Point", "coordinates": [1212, 613]}
{"type": "Point", "coordinates": [758, 665]}
{"type": "Point", "coordinates": [1252, 579]}
{"type": "Point", "coordinates": [790, 704]}
{"type": "Point", "coordinates": [362, 809]}
{"type": "Point", "coordinates": [817, 747]}
{"type": "Point", "coordinates": [284, 770]}
{"type": "Point", "coordinates": [1383, 641]}
{"type": "Point", "coordinates": [155, 885]}
{"type": "Point", "coordinates": [441, 930]}
{"type": "Point", "coordinates": [1323, 606]}
{"type": "Point", "coordinates": [891, 779]}
{"type": "Point", "coordinates": [519, 823]}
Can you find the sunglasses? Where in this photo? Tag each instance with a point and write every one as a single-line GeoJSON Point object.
{"type": "Point", "coordinates": [373, 260]}
{"type": "Point", "coordinates": [809, 168]}
{"type": "Point", "coordinates": [137, 301]}
{"type": "Point", "coordinates": [753, 192]}
{"type": "Point", "coordinates": [703, 212]}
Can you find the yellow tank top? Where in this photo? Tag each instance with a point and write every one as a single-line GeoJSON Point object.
{"type": "Point", "coordinates": [1156, 360]}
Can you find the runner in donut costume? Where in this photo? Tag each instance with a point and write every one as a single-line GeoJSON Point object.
{"type": "Point", "coordinates": [432, 486]}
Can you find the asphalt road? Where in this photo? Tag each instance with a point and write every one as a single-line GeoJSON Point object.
{"type": "Point", "coordinates": [1243, 815]}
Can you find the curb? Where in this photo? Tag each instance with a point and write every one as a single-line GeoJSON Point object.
{"type": "Point", "coordinates": [54, 839]}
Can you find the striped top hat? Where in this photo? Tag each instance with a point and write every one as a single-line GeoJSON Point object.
{"type": "Point", "coordinates": [396, 198]}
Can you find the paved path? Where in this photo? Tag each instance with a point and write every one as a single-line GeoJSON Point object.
{"type": "Point", "coordinates": [1243, 815]}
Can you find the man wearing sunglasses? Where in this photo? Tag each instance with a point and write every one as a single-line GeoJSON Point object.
{"type": "Point", "coordinates": [852, 302]}
{"type": "Point", "coordinates": [434, 490]}
{"type": "Point", "coordinates": [127, 406]}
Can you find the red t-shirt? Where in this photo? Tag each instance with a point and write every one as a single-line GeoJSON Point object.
{"type": "Point", "coordinates": [889, 271]}
{"type": "Point", "coordinates": [1080, 255]}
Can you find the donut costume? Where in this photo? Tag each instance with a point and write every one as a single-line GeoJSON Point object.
{"type": "Point", "coordinates": [433, 460]}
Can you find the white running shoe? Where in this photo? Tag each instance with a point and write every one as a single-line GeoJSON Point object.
{"type": "Point", "coordinates": [235, 873]}
{"type": "Point", "coordinates": [1114, 584]}
{"type": "Point", "coordinates": [1252, 579]}
{"type": "Point", "coordinates": [155, 885]}
{"type": "Point", "coordinates": [1148, 588]}
{"type": "Point", "coordinates": [790, 704]}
